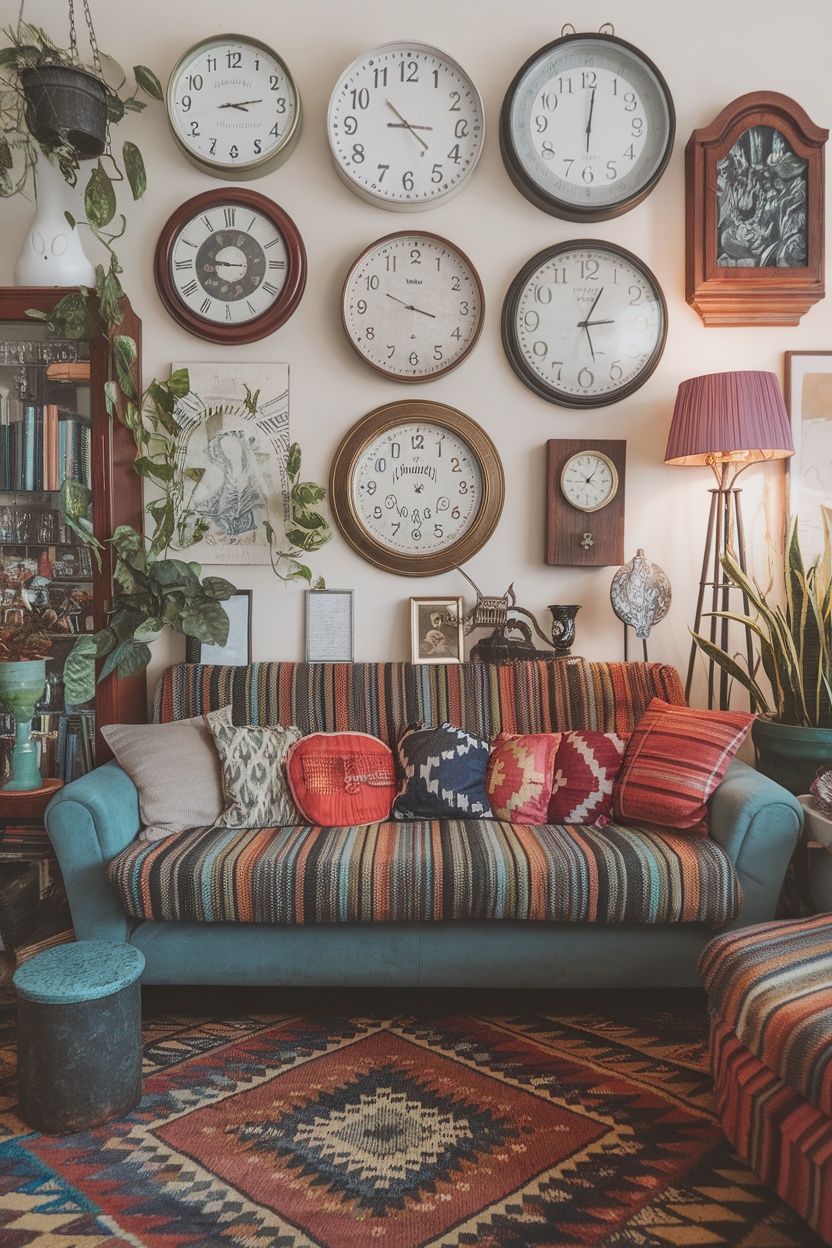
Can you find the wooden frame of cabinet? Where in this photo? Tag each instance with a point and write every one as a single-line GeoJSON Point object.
{"type": "Point", "coordinates": [748, 292]}
{"type": "Point", "coordinates": [116, 493]}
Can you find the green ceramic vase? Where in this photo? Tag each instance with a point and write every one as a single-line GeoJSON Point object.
{"type": "Point", "coordinates": [791, 754]}
{"type": "Point", "coordinates": [22, 683]}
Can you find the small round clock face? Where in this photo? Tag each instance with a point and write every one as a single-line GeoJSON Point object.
{"type": "Point", "coordinates": [584, 324]}
{"type": "Point", "coordinates": [587, 127]}
{"type": "Point", "coordinates": [406, 126]}
{"type": "Point", "coordinates": [589, 480]}
{"type": "Point", "coordinates": [230, 266]}
{"type": "Point", "coordinates": [412, 306]}
{"type": "Point", "coordinates": [234, 107]}
{"type": "Point", "coordinates": [416, 488]}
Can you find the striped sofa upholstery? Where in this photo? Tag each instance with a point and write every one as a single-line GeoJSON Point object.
{"type": "Point", "coordinates": [426, 871]}
{"type": "Point", "coordinates": [770, 998]}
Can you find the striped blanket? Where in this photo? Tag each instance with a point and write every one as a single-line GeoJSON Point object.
{"type": "Point", "coordinates": [428, 871]}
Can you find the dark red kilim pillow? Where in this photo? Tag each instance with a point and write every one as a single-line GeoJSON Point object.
{"type": "Point", "coordinates": [673, 762]}
{"type": "Point", "coordinates": [586, 765]}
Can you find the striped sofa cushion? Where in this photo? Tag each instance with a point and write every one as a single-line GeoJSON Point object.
{"type": "Point", "coordinates": [384, 698]}
{"type": "Point", "coordinates": [405, 871]}
{"type": "Point", "coordinates": [772, 985]}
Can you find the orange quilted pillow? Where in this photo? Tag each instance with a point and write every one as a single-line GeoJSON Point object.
{"type": "Point", "coordinates": [340, 779]}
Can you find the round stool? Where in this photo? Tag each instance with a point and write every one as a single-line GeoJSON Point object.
{"type": "Point", "coordinates": [79, 1053]}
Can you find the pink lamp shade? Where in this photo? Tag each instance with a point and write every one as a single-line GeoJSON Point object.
{"type": "Point", "coordinates": [729, 417]}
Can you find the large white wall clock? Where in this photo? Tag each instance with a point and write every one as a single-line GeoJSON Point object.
{"type": "Point", "coordinates": [406, 126]}
{"type": "Point", "coordinates": [416, 488]}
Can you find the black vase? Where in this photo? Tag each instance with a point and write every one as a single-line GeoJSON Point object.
{"type": "Point", "coordinates": [66, 104]}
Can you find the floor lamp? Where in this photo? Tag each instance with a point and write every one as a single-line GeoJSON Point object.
{"type": "Point", "coordinates": [726, 422]}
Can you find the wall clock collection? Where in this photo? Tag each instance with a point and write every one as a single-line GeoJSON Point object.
{"type": "Point", "coordinates": [586, 131]}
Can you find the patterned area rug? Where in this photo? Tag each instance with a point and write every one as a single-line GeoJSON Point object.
{"type": "Point", "coordinates": [564, 1128]}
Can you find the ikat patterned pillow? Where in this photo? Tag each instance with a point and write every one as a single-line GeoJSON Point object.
{"type": "Point", "coordinates": [518, 781]}
{"type": "Point", "coordinates": [586, 765]}
{"type": "Point", "coordinates": [253, 761]}
{"type": "Point", "coordinates": [442, 774]}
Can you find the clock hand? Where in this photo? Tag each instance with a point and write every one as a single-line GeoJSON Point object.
{"type": "Point", "coordinates": [402, 125]}
{"type": "Point", "coordinates": [589, 119]}
{"type": "Point", "coordinates": [407, 124]}
{"type": "Point", "coordinates": [410, 307]}
{"type": "Point", "coordinates": [589, 340]}
{"type": "Point", "coordinates": [243, 105]}
{"type": "Point", "coordinates": [583, 324]}
{"type": "Point", "coordinates": [229, 264]}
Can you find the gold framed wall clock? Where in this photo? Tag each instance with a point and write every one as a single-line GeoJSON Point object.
{"type": "Point", "coordinates": [412, 306]}
{"type": "Point", "coordinates": [230, 265]}
{"type": "Point", "coordinates": [233, 107]}
{"type": "Point", "coordinates": [416, 487]}
{"type": "Point", "coordinates": [406, 126]}
{"type": "Point", "coordinates": [584, 323]}
{"type": "Point", "coordinates": [585, 501]}
{"type": "Point", "coordinates": [587, 127]}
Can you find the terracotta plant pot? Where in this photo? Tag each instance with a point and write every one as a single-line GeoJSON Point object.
{"type": "Point", "coordinates": [65, 103]}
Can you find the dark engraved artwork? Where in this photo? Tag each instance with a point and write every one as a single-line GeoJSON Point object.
{"type": "Point", "coordinates": [761, 203]}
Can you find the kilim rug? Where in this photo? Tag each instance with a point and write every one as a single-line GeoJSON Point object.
{"type": "Point", "coordinates": [561, 1126]}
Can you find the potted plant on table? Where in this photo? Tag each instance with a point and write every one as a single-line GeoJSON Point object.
{"type": "Point", "coordinates": [24, 645]}
{"type": "Point", "coordinates": [792, 644]}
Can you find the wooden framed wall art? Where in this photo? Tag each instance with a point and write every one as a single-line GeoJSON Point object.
{"type": "Point", "coordinates": [809, 400]}
{"type": "Point", "coordinates": [754, 213]}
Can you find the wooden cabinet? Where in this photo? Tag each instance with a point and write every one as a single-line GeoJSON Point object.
{"type": "Point", "coordinates": [54, 424]}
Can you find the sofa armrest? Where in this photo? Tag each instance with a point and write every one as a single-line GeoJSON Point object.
{"type": "Point", "coordinates": [758, 823]}
{"type": "Point", "coordinates": [89, 822]}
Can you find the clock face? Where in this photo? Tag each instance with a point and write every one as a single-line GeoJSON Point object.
{"type": "Point", "coordinates": [230, 266]}
{"type": "Point", "coordinates": [406, 126]}
{"type": "Point", "coordinates": [587, 127]}
{"type": "Point", "coordinates": [584, 324]}
{"type": "Point", "coordinates": [589, 480]}
{"type": "Point", "coordinates": [416, 488]}
{"type": "Point", "coordinates": [412, 306]}
{"type": "Point", "coordinates": [233, 107]}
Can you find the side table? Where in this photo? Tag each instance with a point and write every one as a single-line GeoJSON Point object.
{"type": "Point", "coordinates": [817, 829]}
{"type": "Point", "coordinates": [33, 907]}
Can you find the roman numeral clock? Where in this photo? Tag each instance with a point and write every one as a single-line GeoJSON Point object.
{"type": "Point", "coordinates": [230, 265]}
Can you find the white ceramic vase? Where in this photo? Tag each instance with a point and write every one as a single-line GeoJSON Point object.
{"type": "Point", "coordinates": [52, 253]}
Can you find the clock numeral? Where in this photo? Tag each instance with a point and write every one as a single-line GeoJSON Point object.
{"type": "Point", "coordinates": [230, 214]}
{"type": "Point", "coordinates": [195, 82]}
{"type": "Point", "coordinates": [636, 126]}
{"type": "Point", "coordinates": [407, 180]}
{"type": "Point", "coordinates": [184, 264]}
{"type": "Point", "coordinates": [454, 154]}
{"type": "Point", "coordinates": [369, 332]}
{"type": "Point", "coordinates": [436, 175]}
{"type": "Point", "coordinates": [409, 71]}
{"type": "Point", "coordinates": [455, 98]}
{"type": "Point", "coordinates": [371, 487]}
{"type": "Point", "coordinates": [541, 123]}
{"type": "Point", "coordinates": [456, 284]}
{"type": "Point", "coordinates": [543, 294]}
{"type": "Point", "coordinates": [382, 170]}
{"type": "Point", "coordinates": [531, 320]}
{"type": "Point", "coordinates": [585, 378]}
{"type": "Point", "coordinates": [358, 153]}
{"type": "Point", "coordinates": [455, 465]}
{"type": "Point", "coordinates": [273, 242]}
{"type": "Point", "coordinates": [461, 129]}
{"type": "Point", "coordinates": [629, 154]}
{"type": "Point", "coordinates": [418, 441]}
{"type": "Point", "coordinates": [540, 349]}
{"type": "Point", "coordinates": [186, 242]}
{"type": "Point", "coordinates": [258, 147]}
{"type": "Point", "coordinates": [630, 102]}
{"type": "Point", "coordinates": [234, 60]}
{"type": "Point", "coordinates": [212, 146]}
{"type": "Point", "coordinates": [185, 103]}
{"type": "Point", "coordinates": [280, 104]}
{"type": "Point", "coordinates": [380, 464]}
{"type": "Point", "coordinates": [589, 79]}
{"type": "Point", "coordinates": [391, 263]}
{"type": "Point", "coordinates": [190, 289]}
{"type": "Point", "coordinates": [205, 306]}
{"type": "Point", "coordinates": [194, 129]}
{"type": "Point", "coordinates": [360, 99]}
{"type": "Point", "coordinates": [635, 293]}
{"type": "Point", "coordinates": [612, 171]}
{"type": "Point", "coordinates": [589, 269]}
{"type": "Point", "coordinates": [565, 86]}
{"type": "Point", "coordinates": [251, 307]}
{"type": "Point", "coordinates": [457, 334]}
{"type": "Point", "coordinates": [228, 311]}
{"type": "Point", "coordinates": [277, 264]}
{"type": "Point", "coordinates": [211, 63]}
{"type": "Point", "coordinates": [437, 352]}
{"type": "Point", "coordinates": [271, 290]}
{"type": "Point", "coordinates": [350, 124]}
{"type": "Point", "coordinates": [361, 307]}
{"type": "Point", "coordinates": [438, 531]}
{"type": "Point", "coordinates": [548, 101]}
{"type": "Point", "coordinates": [234, 151]}
{"type": "Point", "coordinates": [379, 77]}
{"type": "Point", "coordinates": [372, 282]}
{"type": "Point", "coordinates": [274, 82]}
{"type": "Point", "coordinates": [206, 221]}
{"type": "Point", "coordinates": [391, 351]}
{"type": "Point", "coordinates": [616, 371]}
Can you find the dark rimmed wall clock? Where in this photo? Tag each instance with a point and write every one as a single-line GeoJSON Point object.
{"type": "Point", "coordinates": [230, 265]}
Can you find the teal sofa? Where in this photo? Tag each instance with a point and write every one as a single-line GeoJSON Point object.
{"type": "Point", "coordinates": [94, 822]}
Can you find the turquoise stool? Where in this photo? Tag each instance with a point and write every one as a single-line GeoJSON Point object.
{"type": "Point", "coordinates": [79, 1052]}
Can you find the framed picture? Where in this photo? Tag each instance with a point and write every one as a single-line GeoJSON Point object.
{"type": "Point", "coordinates": [329, 634]}
{"type": "Point", "coordinates": [809, 400]}
{"type": "Point", "coordinates": [237, 650]}
{"type": "Point", "coordinates": [231, 457]}
{"type": "Point", "coordinates": [436, 630]}
{"type": "Point", "coordinates": [754, 213]}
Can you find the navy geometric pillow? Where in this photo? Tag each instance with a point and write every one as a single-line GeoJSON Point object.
{"type": "Point", "coordinates": [443, 774]}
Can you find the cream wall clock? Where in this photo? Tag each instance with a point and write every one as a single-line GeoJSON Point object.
{"type": "Point", "coordinates": [412, 306]}
{"type": "Point", "coordinates": [406, 126]}
{"type": "Point", "coordinates": [416, 488]}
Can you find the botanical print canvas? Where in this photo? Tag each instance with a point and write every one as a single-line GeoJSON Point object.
{"type": "Point", "coordinates": [231, 457]}
{"type": "Point", "coordinates": [761, 198]}
{"type": "Point", "coordinates": [810, 470]}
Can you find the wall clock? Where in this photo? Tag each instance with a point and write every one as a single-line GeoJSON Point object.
{"type": "Point", "coordinates": [230, 265]}
{"type": "Point", "coordinates": [584, 323]}
{"type": "Point", "coordinates": [587, 127]}
{"type": "Point", "coordinates": [585, 502]}
{"type": "Point", "coordinates": [412, 306]}
{"type": "Point", "coordinates": [416, 488]}
{"type": "Point", "coordinates": [406, 126]}
{"type": "Point", "coordinates": [233, 107]}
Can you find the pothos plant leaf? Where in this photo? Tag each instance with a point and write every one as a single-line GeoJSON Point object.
{"type": "Point", "coordinates": [99, 198]}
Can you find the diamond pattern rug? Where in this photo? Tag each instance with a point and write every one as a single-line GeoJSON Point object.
{"type": "Point", "coordinates": [540, 1130]}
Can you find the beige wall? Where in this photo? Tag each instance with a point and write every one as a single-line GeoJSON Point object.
{"type": "Point", "coordinates": [710, 52]}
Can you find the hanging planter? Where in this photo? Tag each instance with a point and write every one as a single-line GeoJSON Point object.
{"type": "Point", "coordinates": [66, 106]}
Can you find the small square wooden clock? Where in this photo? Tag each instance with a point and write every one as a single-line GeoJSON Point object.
{"type": "Point", "coordinates": [585, 502]}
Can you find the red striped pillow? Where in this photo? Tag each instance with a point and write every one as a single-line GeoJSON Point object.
{"type": "Point", "coordinates": [674, 760]}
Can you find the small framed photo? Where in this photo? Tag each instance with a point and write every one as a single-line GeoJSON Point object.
{"type": "Point", "coordinates": [329, 631]}
{"type": "Point", "coordinates": [237, 650]}
{"type": "Point", "coordinates": [809, 400]}
{"type": "Point", "coordinates": [436, 630]}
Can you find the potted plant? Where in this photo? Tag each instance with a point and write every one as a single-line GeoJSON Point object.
{"type": "Point", "coordinates": [24, 644]}
{"type": "Point", "coordinates": [792, 643]}
{"type": "Point", "coordinates": [56, 112]}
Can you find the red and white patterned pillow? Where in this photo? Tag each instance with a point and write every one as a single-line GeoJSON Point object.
{"type": "Point", "coordinates": [674, 760]}
{"type": "Point", "coordinates": [518, 781]}
{"type": "Point", "coordinates": [586, 765]}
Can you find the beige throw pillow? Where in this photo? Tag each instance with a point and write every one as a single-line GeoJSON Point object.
{"type": "Point", "coordinates": [253, 760]}
{"type": "Point", "coordinates": [176, 770]}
